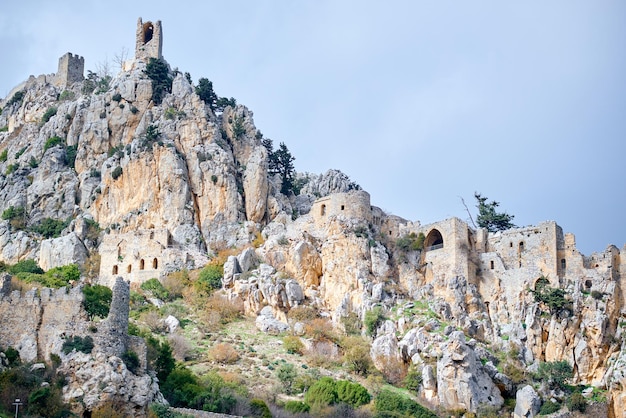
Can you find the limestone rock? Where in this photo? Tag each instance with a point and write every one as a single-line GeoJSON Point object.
{"type": "Point", "coordinates": [68, 249]}
{"type": "Point", "coordinates": [266, 322]}
{"type": "Point", "coordinates": [527, 403]}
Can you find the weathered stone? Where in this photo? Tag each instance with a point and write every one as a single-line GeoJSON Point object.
{"type": "Point", "coordinates": [527, 403]}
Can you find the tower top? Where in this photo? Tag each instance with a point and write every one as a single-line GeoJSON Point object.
{"type": "Point", "coordinates": [149, 41]}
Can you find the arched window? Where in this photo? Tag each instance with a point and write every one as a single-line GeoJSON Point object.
{"type": "Point", "coordinates": [148, 31]}
{"type": "Point", "coordinates": [142, 264]}
{"type": "Point", "coordinates": [434, 240]}
{"type": "Point", "coordinates": [563, 264]}
{"type": "Point", "coordinates": [521, 246]}
{"type": "Point", "coordinates": [114, 269]}
{"type": "Point", "coordinates": [129, 268]}
{"type": "Point", "coordinates": [323, 212]}
{"type": "Point", "coordinates": [155, 264]}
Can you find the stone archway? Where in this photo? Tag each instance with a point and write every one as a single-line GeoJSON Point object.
{"type": "Point", "coordinates": [148, 32]}
{"type": "Point", "coordinates": [434, 240]}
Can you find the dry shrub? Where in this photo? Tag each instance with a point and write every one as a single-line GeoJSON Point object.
{"type": "Point", "coordinates": [22, 286]}
{"type": "Point", "coordinates": [222, 255]}
{"type": "Point", "coordinates": [108, 410]}
{"type": "Point", "coordinates": [323, 354]}
{"type": "Point", "coordinates": [302, 313]}
{"type": "Point", "coordinates": [218, 311]}
{"type": "Point", "coordinates": [181, 349]}
{"type": "Point", "coordinates": [223, 353]}
{"type": "Point", "coordinates": [175, 283]}
{"type": "Point", "coordinates": [232, 379]}
{"type": "Point", "coordinates": [320, 329]}
{"type": "Point", "coordinates": [152, 319]}
{"type": "Point", "coordinates": [356, 354]}
{"type": "Point", "coordinates": [92, 266]}
{"type": "Point", "coordinates": [393, 370]}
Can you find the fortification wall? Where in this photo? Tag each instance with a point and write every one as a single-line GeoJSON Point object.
{"type": "Point", "coordinates": [35, 322]}
{"type": "Point", "coordinates": [353, 204]}
{"type": "Point", "coordinates": [149, 40]}
{"type": "Point", "coordinates": [71, 69]}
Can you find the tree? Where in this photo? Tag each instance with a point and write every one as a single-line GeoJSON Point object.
{"type": "Point", "coordinates": [204, 90]}
{"type": "Point", "coordinates": [281, 162]}
{"type": "Point", "coordinates": [555, 373]}
{"type": "Point", "coordinates": [97, 300]}
{"type": "Point", "coordinates": [488, 217]}
{"type": "Point", "coordinates": [158, 72]}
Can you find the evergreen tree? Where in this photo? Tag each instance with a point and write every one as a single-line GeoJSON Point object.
{"type": "Point", "coordinates": [488, 217]}
{"type": "Point", "coordinates": [281, 162]}
{"type": "Point", "coordinates": [206, 93]}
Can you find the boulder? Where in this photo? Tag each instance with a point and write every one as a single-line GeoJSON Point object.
{"type": "Point", "coordinates": [266, 322]}
{"type": "Point", "coordinates": [527, 403]}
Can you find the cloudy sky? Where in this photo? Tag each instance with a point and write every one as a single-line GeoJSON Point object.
{"type": "Point", "coordinates": [420, 102]}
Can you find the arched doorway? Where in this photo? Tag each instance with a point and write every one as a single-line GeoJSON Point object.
{"type": "Point", "coordinates": [142, 264]}
{"type": "Point", "coordinates": [434, 240]}
{"type": "Point", "coordinates": [114, 269]}
{"type": "Point", "coordinates": [155, 264]}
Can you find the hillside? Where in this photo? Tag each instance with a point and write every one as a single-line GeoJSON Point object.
{"type": "Point", "coordinates": [261, 280]}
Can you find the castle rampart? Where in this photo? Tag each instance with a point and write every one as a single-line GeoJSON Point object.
{"type": "Point", "coordinates": [354, 204]}
{"type": "Point", "coordinates": [71, 69]}
{"type": "Point", "coordinates": [149, 40]}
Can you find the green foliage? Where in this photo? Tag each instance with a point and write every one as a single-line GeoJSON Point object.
{"type": "Point", "coordinates": [281, 163]}
{"type": "Point", "coordinates": [52, 142]}
{"type": "Point", "coordinates": [96, 82]}
{"type": "Point", "coordinates": [597, 294]}
{"type": "Point", "coordinates": [554, 298]}
{"type": "Point", "coordinates": [296, 407]}
{"type": "Point", "coordinates": [117, 171]}
{"type": "Point", "coordinates": [20, 152]}
{"type": "Point", "coordinates": [160, 358]}
{"type": "Point", "coordinates": [33, 163]}
{"type": "Point", "coordinates": [238, 127]}
{"type": "Point", "coordinates": [48, 114]}
{"type": "Point", "coordinates": [352, 394]}
{"type": "Point", "coordinates": [66, 95]}
{"type": "Point", "coordinates": [67, 273]}
{"type": "Point", "coordinates": [293, 344]}
{"type": "Point", "coordinates": [12, 356]}
{"type": "Point", "coordinates": [158, 73]}
{"type": "Point", "coordinates": [116, 97]}
{"type": "Point", "coordinates": [164, 411]}
{"type": "Point", "coordinates": [322, 393]}
{"type": "Point", "coordinates": [12, 168]}
{"type": "Point", "coordinates": [223, 102]}
{"type": "Point", "coordinates": [413, 379]}
{"type": "Point", "coordinates": [155, 288]}
{"type": "Point", "coordinates": [488, 217]}
{"type": "Point", "coordinates": [549, 407]}
{"type": "Point", "coordinates": [390, 404]}
{"type": "Point", "coordinates": [17, 98]}
{"type": "Point", "coordinates": [4, 156]}
{"type": "Point", "coordinates": [25, 266]}
{"type": "Point", "coordinates": [183, 389]}
{"type": "Point", "coordinates": [51, 228]}
{"type": "Point", "coordinates": [70, 155]}
{"type": "Point", "coordinates": [16, 216]}
{"type": "Point", "coordinates": [287, 374]}
{"type": "Point", "coordinates": [373, 318]}
{"type": "Point", "coordinates": [204, 90]}
{"type": "Point", "coordinates": [555, 373]}
{"type": "Point", "coordinates": [351, 323]}
{"type": "Point", "coordinates": [131, 360]}
{"type": "Point", "coordinates": [97, 300]}
{"type": "Point", "coordinates": [210, 278]}
{"type": "Point", "coordinates": [576, 402]}
{"type": "Point", "coordinates": [258, 408]}
{"type": "Point", "coordinates": [357, 355]}
{"type": "Point", "coordinates": [55, 277]}
{"type": "Point", "coordinates": [77, 343]}
{"type": "Point", "coordinates": [411, 242]}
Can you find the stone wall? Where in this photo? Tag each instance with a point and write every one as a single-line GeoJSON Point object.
{"type": "Point", "coordinates": [71, 69]}
{"type": "Point", "coordinates": [353, 204]}
{"type": "Point", "coordinates": [149, 40]}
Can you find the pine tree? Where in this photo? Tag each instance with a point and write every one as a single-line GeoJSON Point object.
{"type": "Point", "coordinates": [488, 217]}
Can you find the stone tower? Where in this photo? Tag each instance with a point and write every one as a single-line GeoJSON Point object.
{"type": "Point", "coordinates": [71, 68]}
{"type": "Point", "coordinates": [149, 42]}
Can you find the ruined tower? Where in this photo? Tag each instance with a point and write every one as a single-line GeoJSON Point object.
{"type": "Point", "coordinates": [149, 41]}
{"type": "Point", "coordinates": [71, 68]}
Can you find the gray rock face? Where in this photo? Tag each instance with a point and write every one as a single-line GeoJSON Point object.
{"type": "Point", "coordinates": [527, 403]}
{"type": "Point", "coordinates": [68, 249]}
{"type": "Point", "coordinates": [332, 181]}
{"type": "Point", "coordinates": [266, 322]}
{"type": "Point", "coordinates": [461, 380]}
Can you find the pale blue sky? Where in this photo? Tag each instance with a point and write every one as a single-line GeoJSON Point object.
{"type": "Point", "coordinates": [420, 102]}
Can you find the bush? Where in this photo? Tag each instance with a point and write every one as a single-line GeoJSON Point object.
{"type": "Point", "coordinates": [357, 355]}
{"type": "Point", "coordinates": [12, 356]}
{"type": "Point", "coordinates": [555, 373]}
{"type": "Point", "coordinates": [33, 162]}
{"type": "Point", "coordinates": [25, 266]}
{"type": "Point", "coordinates": [287, 375]}
{"type": "Point", "coordinates": [16, 217]}
{"type": "Point", "coordinates": [373, 318]}
{"type": "Point", "coordinates": [117, 171]}
{"type": "Point", "coordinates": [411, 242]}
{"type": "Point", "coordinates": [70, 155]}
{"type": "Point", "coordinates": [51, 228]}
{"type": "Point", "coordinates": [77, 343]}
{"type": "Point", "coordinates": [389, 404]}
{"type": "Point", "coordinates": [352, 394]}
{"type": "Point", "coordinates": [293, 344]}
{"type": "Point", "coordinates": [159, 358]}
{"type": "Point", "coordinates": [204, 90]}
{"type": "Point", "coordinates": [597, 295]}
{"type": "Point", "coordinates": [20, 152]}
{"type": "Point", "coordinates": [155, 288]}
{"type": "Point", "coordinates": [258, 408]}
{"type": "Point", "coordinates": [158, 73]}
{"type": "Point", "coordinates": [17, 97]}
{"type": "Point", "coordinates": [322, 393]}
{"type": "Point", "coordinates": [48, 114]}
{"type": "Point", "coordinates": [183, 389]}
{"type": "Point", "coordinates": [352, 324]}
{"type": "Point", "coordinates": [302, 313]}
{"type": "Point", "coordinates": [223, 353]}
{"type": "Point", "coordinates": [210, 278]}
{"type": "Point", "coordinates": [97, 300]}
{"type": "Point", "coordinates": [554, 298]}
{"type": "Point", "coordinates": [576, 402]}
{"type": "Point", "coordinates": [320, 329]}
{"type": "Point", "coordinates": [12, 168]}
{"type": "Point", "coordinates": [549, 407]}
{"type": "Point", "coordinates": [4, 156]}
{"type": "Point", "coordinates": [131, 360]}
{"type": "Point", "coordinates": [53, 142]}
{"type": "Point", "coordinates": [218, 311]}
{"type": "Point", "coordinates": [297, 407]}
{"type": "Point", "coordinates": [116, 97]}
{"type": "Point", "coordinates": [413, 379]}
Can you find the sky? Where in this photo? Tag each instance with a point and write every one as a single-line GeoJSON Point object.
{"type": "Point", "coordinates": [422, 103]}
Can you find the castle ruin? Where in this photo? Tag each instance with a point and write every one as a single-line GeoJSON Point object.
{"type": "Point", "coordinates": [71, 69]}
{"type": "Point", "coordinates": [149, 40]}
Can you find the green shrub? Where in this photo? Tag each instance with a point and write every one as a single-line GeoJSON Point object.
{"type": "Point", "coordinates": [25, 266]}
{"type": "Point", "coordinates": [51, 228]}
{"type": "Point", "coordinates": [17, 97]}
{"type": "Point", "coordinates": [4, 156]}
{"type": "Point", "coordinates": [97, 300]}
{"type": "Point", "coordinates": [117, 171]}
{"type": "Point", "coordinates": [48, 114]}
{"type": "Point", "coordinates": [67, 95]}
{"type": "Point", "coordinates": [297, 407]}
{"type": "Point", "coordinates": [5, 128]}
{"type": "Point", "coordinates": [389, 403]}
{"type": "Point", "coordinates": [64, 274]}
{"type": "Point", "coordinates": [33, 163]}
{"type": "Point", "coordinates": [576, 402]}
{"type": "Point", "coordinates": [77, 343]}
{"type": "Point", "coordinates": [322, 393]}
{"type": "Point", "coordinates": [413, 379]}
{"type": "Point", "coordinates": [116, 97]}
{"type": "Point", "coordinates": [12, 356]}
{"type": "Point", "coordinates": [549, 407]}
{"type": "Point", "coordinates": [554, 298]}
{"type": "Point", "coordinates": [293, 344]}
{"type": "Point", "coordinates": [158, 73]}
{"type": "Point", "coordinates": [411, 242]}
{"type": "Point", "coordinates": [210, 278]}
{"type": "Point", "coordinates": [287, 374]}
{"type": "Point", "coordinates": [160, 358]}
{"type": "Point", "coordinates": [20, 152]}
{"type": "Point", "coordinates": [183, 389]}
{"type": "Point", "coordinates": [13, 212]}
{"type": "Point", "coordinates": [53, 142]}
{"type": "Point", "coordinates": [204, 90]}
{"type": "Point", "coordinates": [222, 102]}
{"type": "Point", "coordinates": [373, 318]}
{"type": "Point", "coordinates": [555, 373]}
{"type": "Point", "coordinates": [131, 360]}
{"type": "Point", "coordinates": [597, 295]}
{"type": "Point", "coordinates": [258, 408]}
{"type": "Point", "coordinates": [70, 155]}
{"type": "Point", "coordinates": [12, 168]}
{"type": "Point", "coordinates": [164, 411]}
{"type": "Point", "coordinates": [238, 127]}
{"type": "Point", "coordinates": [352, 394]}
{"type": "Point", "coordinates": [154, 287]}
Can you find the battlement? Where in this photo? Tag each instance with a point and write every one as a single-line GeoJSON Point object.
{"type": "Point", "coordinates": [149, 40]}
{"type": "Point", "coordinates": [71, 69]}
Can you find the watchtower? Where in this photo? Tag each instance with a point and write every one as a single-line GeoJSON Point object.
{"type": "Point", "coordinates": [71, 68]}
{"type": "Point", "coordinates": [149, 41]}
